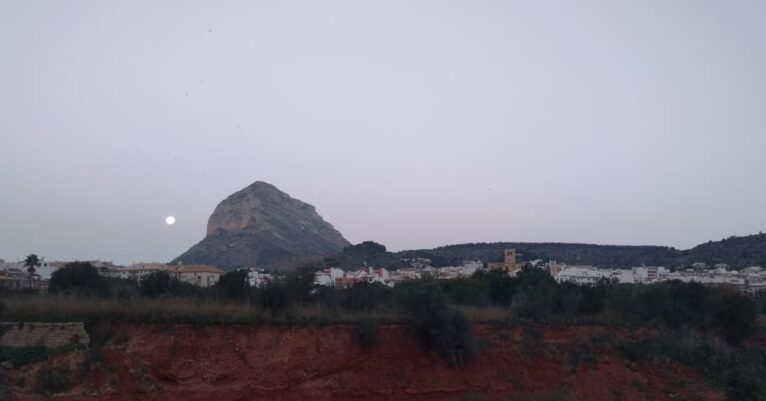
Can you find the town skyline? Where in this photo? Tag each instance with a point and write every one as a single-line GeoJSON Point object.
{"type": "Point", "coordinates": [59, 260]}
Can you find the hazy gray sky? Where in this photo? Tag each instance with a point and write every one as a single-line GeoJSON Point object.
{"type": "Point", "coordinates": [412, 123]}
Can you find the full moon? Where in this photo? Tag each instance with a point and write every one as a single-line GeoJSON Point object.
{"type": "Point", "coordinates": [170, 220]}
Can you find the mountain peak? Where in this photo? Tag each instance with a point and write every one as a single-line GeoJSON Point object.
{"type": "Point", "coordinates": [262, 186]}
{"type": "Point", "coordinates": [260, 225]}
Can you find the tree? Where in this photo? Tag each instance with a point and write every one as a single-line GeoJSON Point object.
{"type": "Point", "coordinates": [500, 285]}
{"type": "Point", "coordinates": [468, 291]}
{"type": "Point", "coordinates": [31, 262]}
{"type": "Point", "coordinates": [365, 296]}
{"type": "Point", "coordinates": [450, 331]}
{"type": "Point", "coordinates": [366, 247]}
{"type": "Point", "coordinates": [735, 315]}
{"type": "Point", "coordinates": [438, 325]}
{"type": "Point", "coordinates": [421, 299]}
{"type": "Point", "coordinates": [155, 284]}
{"type": "Point", "coordinates": [79, 277]}
{"type": "Point", "coordinates": [160, 284]}
{"type": "Point", "coordinates": [233, 285]}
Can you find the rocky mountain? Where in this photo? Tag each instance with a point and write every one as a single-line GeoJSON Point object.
{"type": "Point", "coordinates": [263, 226]}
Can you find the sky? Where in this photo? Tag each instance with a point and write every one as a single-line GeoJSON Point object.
{"type": "Point", "coordinates": [411, 123]}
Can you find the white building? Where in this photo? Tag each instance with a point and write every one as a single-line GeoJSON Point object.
{"type": "Point", "coordinates": [199, 275]}
{"type": "Point", "coordinates": [328, 277]}
{"type": "Point", "coordinates": [586, 275]}
{"type": "Point", "coordinates": [257, 277]}
{"type": "Point", "coordinates": [136, 272]}
{"type": "Point", "coordinates": [591, 275]}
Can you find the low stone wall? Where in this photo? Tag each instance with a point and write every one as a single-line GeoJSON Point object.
{"type": "Point", "coordinates": [51, 335]}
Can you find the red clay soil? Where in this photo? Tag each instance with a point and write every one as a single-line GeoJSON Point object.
{"type": "Point", "coordinates": [231, 363]}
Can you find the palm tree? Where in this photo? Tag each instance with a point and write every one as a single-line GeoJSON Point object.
{"type": "Point", "coordinates": [31, 262]}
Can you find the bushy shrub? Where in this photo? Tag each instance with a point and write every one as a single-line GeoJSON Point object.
{"type": "Point", "coordinates": [122, 289]}
{"type": "Point", "coordinates": [156, 284]}
{"type": "Point", "coordinates": [282, 293]}
{"type": "Point", "coordinates": [275, 296]}
{"type": "Point", "coordinates": [451, 333]}
{"type": "Point", "coordinates": [500, 286]}
{"type": "Point", "coordinates": [675, 304]}
{"type": "Point", "coordinates": [535, 303]}
{"type": "Point", "coordinates": [99, 335]}
{"type": "Point", "coordinates": [735, 315]}
{"type": "Point", "coordinates": [328, 297]}
{"type": "Point", "coordinates": [20, 356]}
{"type": "Point", "coordinates": [6, 393]}
{"type": "Point", "coordinates": [760, 301]}
{"type": "Point", "coordinates": [586, 347]}
{"type": "Point", "coordinates": [52, 380]}
{"type": "Point", "coordinates": [78, 278]}
{"type": "Point", "coordinates": [233, 285]}
{"type": "Point", "coordinates": [739, 371]}
{"type": "Point", "coordinates": [468, 291]}
{"type": "Point", "coordinates": [592, 298]}
{"type": "Point", "coordinates": [365, 296]}
{"type": "Point", "coordinates": [438, 325]}
{"type": "Point", "coordinates": [420, 299]}
{"type": "Point", "coordinates": [160, 285]}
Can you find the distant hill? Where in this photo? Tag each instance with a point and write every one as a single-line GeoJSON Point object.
{"type": "Point", "coordinates": [366, 253]}
{"type": "Point", "coordinates": [737, 252]}
{"type": "Point", "coordinates": [263, 226]}
{"type": "Point", "coordinates": [586, 254]}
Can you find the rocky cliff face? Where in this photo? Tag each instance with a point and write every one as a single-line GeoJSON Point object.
{"type": "Point", "coordinates": [263, 226]}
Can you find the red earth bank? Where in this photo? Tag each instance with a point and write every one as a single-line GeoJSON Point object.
{"type": "Point", "coordinates": [231, 363]}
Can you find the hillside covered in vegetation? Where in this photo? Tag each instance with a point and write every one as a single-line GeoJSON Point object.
{"type": "Point", "coordinates": [737, 252]}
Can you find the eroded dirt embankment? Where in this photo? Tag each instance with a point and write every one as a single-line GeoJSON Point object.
{"type": "Point", "coordinates": [186, 363]}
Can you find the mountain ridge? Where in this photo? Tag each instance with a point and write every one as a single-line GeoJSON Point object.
{"type": "Point", "coordinates": [737, 252]}
{"type": "Point", "coordinates": [261, 226]}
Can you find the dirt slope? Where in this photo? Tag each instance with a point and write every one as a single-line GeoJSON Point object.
{"type": "Point", "coordinates": [187, 363]}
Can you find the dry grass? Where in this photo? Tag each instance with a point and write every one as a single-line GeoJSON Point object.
{"type": "Point", "coordinates": [319, 313]}
{"type": "Point", "coordinates": [182, 310]}
{"type": "Point", "coordinates": [174, 310]}
{"type": "Point", "coordinates": [130, 310]}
